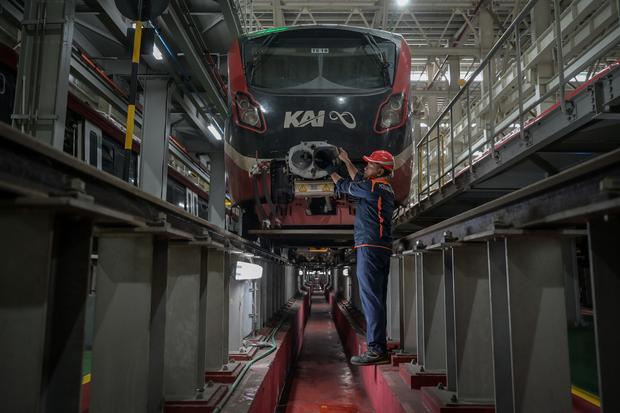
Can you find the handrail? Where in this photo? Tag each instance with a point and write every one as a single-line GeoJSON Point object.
{"type": "Point", "coordinates": [431, 177]}
{"type": "Point", "coordinates": [504, 38]}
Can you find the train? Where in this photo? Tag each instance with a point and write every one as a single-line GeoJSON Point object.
{"type": "Point", "coordinates": [97, 138]}
{"type": "Point", "coordinates": [296, 95]}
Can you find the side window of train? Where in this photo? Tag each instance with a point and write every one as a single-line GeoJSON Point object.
{"type": "Point", "coordinates": [93, 140]}
{"type": "Point", "coordinates": [203, 212]}
{"type": "Point", "coordinates": [107, 157]}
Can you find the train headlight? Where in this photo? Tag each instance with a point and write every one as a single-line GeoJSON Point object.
{"type": "Point", "coordinates": [391, 113]}
{"type": "Point", "coordinates": [249, 113]}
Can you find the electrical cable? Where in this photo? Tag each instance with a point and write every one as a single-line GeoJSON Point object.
{"type": "Point", "coordinates": [237, 381]}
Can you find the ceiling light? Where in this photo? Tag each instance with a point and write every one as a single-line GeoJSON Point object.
{"type": "Point", "coordinates": [215, 132]}
{"type": "Point", "coordinates": [402, 3]}
{"type": "Point", "coordinates": [157, 53]}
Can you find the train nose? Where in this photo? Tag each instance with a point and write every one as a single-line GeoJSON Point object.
{"type": "Point", "coordinates": [309, 159]}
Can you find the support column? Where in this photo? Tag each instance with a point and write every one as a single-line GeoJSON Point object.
{"type": "Point", "coordinates": [544, 69]}
{"type": "Point", "coordinates": [409, 306]}
{"type": "Point", "coordinates": [336, 281]}
{"type": "Point", "coordinates": [472, 320]}
{"type": "Point", "coordinates": [218, 296]}
{"type": "Point", "coordinates": [217, 190]}
{"type": "Point", "coordinates": [183, 369]}
{"type": "Point", "coordinates": [487, 39]}
{"type": "Point", "coordinates": [431, 100]}
{"type": "Point", "coordinates": [155, 132]}
{"type": "Point", "coordinates": [291, 281]}
{"type": "Point", "coordinates": [130, 312]}
{"type": "Point", "coordinates": [43, 288]}
{"type": "Point", "coordinates": [393, 300]}
{"type": "Point", "coordinates": [455, 76]}
{"type": "Point", "coordinates": [571, 282]}
{"type": "Point", "coordinates": [268, 274]}
{"type": "Point", "coordinates": [43, 73]}
{"type": "Point", "coordinates": [264, 288]}
{"type": "Point", "coordinates": [530, 344]}
{"type": "Point", "coordinates": [348, 289]}
{"type": "Point", "coordinates": [431, 318]}
{"type": "Point", "coordinates": [605, 277]}
{"type": "Point", "coordinates": [450, 315]}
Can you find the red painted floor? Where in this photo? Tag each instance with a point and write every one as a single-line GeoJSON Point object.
{"type": "Point", "coordinates": [323, 381]}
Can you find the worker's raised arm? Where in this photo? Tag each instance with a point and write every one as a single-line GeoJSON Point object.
{"type": "Point", "coordinates": [358, 189]}
{"type": "Point", "coordinates": [351, 169]}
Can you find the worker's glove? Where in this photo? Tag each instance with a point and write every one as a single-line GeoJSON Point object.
{"type": "Point", "coordinates": [332, 167]}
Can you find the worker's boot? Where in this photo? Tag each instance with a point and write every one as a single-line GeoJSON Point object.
{"type": "Point", "coordinates": [369, 358]}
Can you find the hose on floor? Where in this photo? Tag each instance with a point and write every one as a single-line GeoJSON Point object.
{"type": "Point", "coordinates": [271, 337]}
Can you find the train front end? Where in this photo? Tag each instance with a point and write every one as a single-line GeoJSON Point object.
{"type": "Point", "coordinates": [296, 95]}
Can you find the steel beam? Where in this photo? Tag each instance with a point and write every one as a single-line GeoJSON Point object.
{"type": "Point", "coordinates": [81, 71]}
{"type": "Point", "coordinates": [450, 312]}
{"type": "Point", "coordinates": [393, 301]}
{"type": "Point", "coordinates": [530, 343]}
{"type": "Point", "coordinates": [108, 14]}
{"type": "Point", "coordinates": [605, 278]}
{"type": "Point", "coordinates": [571, 282]}
{"type": "Point", "coordinates": [431, 312]}
{"type": "Point", "coordinates": [472, 320]}
{"type": "Point", "coordinates": [231, 16]}
{"type": "Point", "coordinates": [409, 308]}
{"type": "Point", "coordinates": [155, 133]}
{"type": "Point", "coordinates": [185, 344]}
{"type": "Point", "coordinates": [45, 266]}
{"type": "Point", "coordinates": [444, 51]}
{"type": "Point", "coordinates": [195, 116]}
{"type": "Point", "coordinates": [195, 59]}
{"type": "Point", "coordinates": [43, 73]}
{"type": "Point", "coordinates": [216, 348]}
{"type": "Point", "coordinates": [129, 323]}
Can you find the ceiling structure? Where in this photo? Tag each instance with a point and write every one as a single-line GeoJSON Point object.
{"type": "Point", "coordinates": [193, 37]}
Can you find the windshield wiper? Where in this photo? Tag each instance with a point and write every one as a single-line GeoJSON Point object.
{"type": "Point", "coordinates": [379, 57]}
{"type": "Point", "coordinates": [258, 55]}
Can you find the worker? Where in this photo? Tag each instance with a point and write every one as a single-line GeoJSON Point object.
{"type": "Point", "coordinates": [373, 243]}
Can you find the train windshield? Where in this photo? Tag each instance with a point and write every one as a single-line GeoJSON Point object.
{"type": "Point", "coordinates": [319, 64]}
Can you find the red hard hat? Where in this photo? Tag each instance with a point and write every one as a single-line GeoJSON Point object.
{"type": "Point", "coordinates": [383, 158]}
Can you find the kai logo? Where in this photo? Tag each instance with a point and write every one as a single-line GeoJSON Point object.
{"type": "Point", "coordinates": [302, 118]}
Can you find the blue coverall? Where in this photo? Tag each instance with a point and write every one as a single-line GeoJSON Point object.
{"type": "Point", "coordinates": [373, 243]}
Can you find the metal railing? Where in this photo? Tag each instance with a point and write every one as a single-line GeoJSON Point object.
{"type": "Point", "coordinates": [455, 141]}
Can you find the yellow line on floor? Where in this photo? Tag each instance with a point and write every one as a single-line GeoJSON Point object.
{"type": "Point", "coordinates": [587, 396]}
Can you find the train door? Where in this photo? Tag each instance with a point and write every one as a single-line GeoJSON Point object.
{"type": "Point", "coordinates": [92, 144]}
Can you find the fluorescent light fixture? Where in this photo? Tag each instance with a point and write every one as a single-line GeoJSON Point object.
{"type": "Point", "coordinates": [215, 132]}
{"type": "Point", "coordinates": [248, 271]}
{"type": "Point", "coordinates": [402, 3]}
{"type": "Point", "coordinates": [157, 53]}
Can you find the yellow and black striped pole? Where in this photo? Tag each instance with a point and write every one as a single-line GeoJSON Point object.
{"type": "Point", "coordinates": [131, 108]}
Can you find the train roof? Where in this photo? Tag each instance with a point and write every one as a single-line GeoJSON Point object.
{"type": "Point", "coordinates": [375, 32]}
